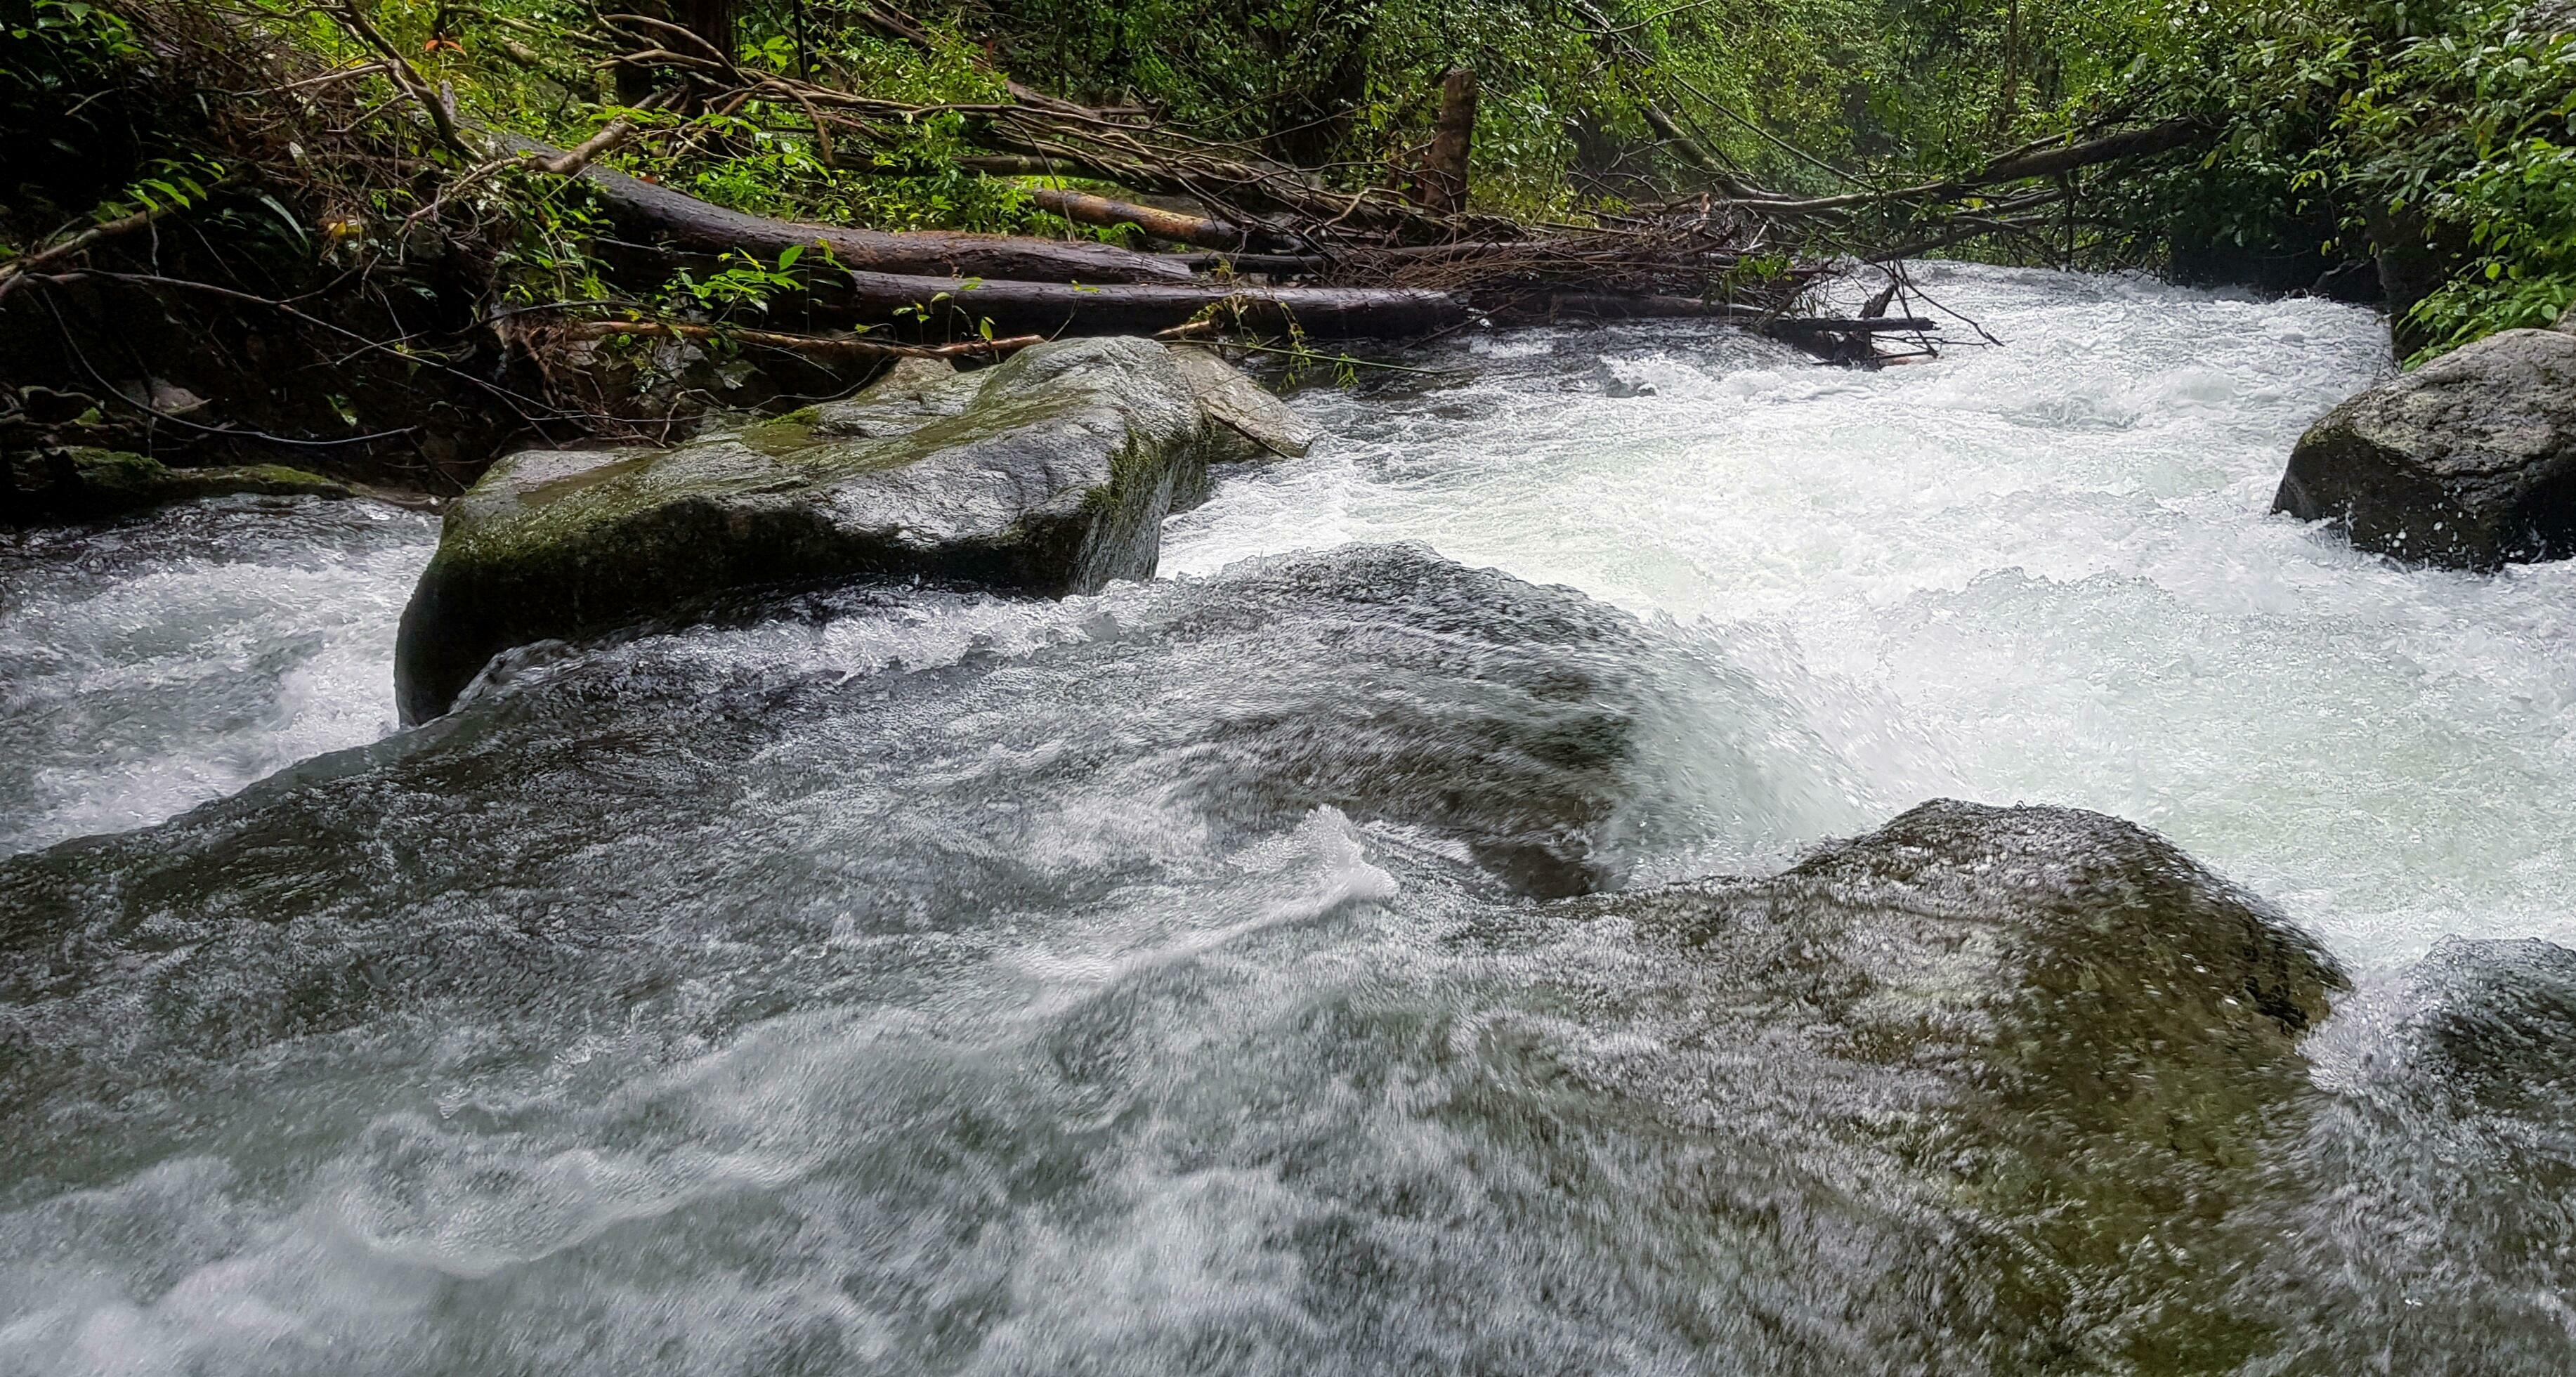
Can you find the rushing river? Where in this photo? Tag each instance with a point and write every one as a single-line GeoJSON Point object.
{"type": "Point", "coordinates": [1171, 981]}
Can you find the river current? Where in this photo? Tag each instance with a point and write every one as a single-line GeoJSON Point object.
{"type": "Point", "coordinates": [905, 981]}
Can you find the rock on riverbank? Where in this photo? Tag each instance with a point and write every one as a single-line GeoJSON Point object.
{"type": "Point", "coordinates": [1050, 474]}
{"type": "Point", "coordinates": [2468, 462]}
{"type": "Point", "coordinates": [91, 484]}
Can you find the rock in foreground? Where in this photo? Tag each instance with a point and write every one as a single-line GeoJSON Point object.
{"type": "Point", "coordinates": [2047, 1062]}
{"type": "Point", "coordinates": [1050, 475]}
{"type": "Point", "coordinates": [2467, 462]}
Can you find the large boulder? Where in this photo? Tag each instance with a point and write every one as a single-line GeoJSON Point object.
{"type": "Point", "coordinates": [2046, 1062]}
{"type": "Point", "coordinates": [84, 484]}
{"type": "Point", "coordinates": [2468, 462]}
{"type": "Point", "coordinates": [1049, 475]}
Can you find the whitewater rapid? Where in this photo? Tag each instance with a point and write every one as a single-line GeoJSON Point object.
{"type": "Point", "coordinates": [2044, 571]}
{"type": "Point", "coordinates": [152, 665]}
{"type": "Point", "coordinates": [2041, 569]}
{"type": "Point", "coordinates": [1178, 979]}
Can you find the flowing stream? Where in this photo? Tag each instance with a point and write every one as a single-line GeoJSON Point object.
{"type": "Point", "coordinates": [1168, 981]}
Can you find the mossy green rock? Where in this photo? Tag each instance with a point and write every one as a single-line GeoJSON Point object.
{"type": "Point", "coordinates": [90, 484]}
{"type": "Point", "coordinates": [1048, 475]}
{"type": "Point", "coordinates": [2043, 1037]}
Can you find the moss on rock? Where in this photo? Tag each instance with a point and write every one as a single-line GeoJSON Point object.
{"type": "Point", "coordinates": [91, 484]}
{"type": "Point", "coordinates": [2049, 1039]}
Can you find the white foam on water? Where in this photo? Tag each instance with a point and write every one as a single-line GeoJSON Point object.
{"type": "Point", "coordinates": [2046, 572]}
{"type": "Point", "coordinates": [1179, 1103]}
{"type": "Point", "coordinates": [151, 666]}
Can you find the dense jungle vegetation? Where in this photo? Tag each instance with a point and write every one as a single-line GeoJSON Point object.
{"type": "Point", "coordinates": [285, 149]}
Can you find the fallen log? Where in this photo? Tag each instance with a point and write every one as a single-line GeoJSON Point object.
{"type": "Point", "coordinates": [973, 287]}
{"type": "Point", "coordinates": [930, 305]}
{"type": "Point", "coordinates": [681, 219]}
{"type": "Point", "coordinates": [1851, 325]}
{"type": "Point", "coordinates": [966, 310]}
{"type": "Point", "coordinates": [2132, 143]}
{"type": "Point", "coordinates": [803, 344]}
{"type": "Point", "coordinates": [1171, 226]}
{"type": "Point", "coordinates": [2019, 165]}
{"type": "Point", "coordinates": [1549, 307]}
{"type": "Point", "coordinates": [1268, 264]}
{"type": "Point", "coordinates": [1599, 256]}
{"type": "Point", "coordinates": [1695, 153]}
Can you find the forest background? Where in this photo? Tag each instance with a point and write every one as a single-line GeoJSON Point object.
{"type": "Point", "coordinates": [2428, 146]}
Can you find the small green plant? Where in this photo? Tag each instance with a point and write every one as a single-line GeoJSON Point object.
{"type": "Point", "coordinates": [170, 184]}
{"type": "Point", "coordinates": [741, 282]}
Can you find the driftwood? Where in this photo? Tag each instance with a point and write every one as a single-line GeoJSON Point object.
{"type": "Point", "coordinates": [962, 283]}
{"type": "Point", "coordinates": [1563, 305]}
{"type": "Point", "coordinates": [1014, 292]}
{"type": "Point", "coordinates": [1055, 308]}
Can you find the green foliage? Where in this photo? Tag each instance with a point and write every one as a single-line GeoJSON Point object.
{"type": "Point", "coordinates": [2458, 114]}
{"type": "Point", "coordinates": [741, 282]}
{"type": "Point", "coordinates": [75, 29]}
{"type": "Point", "coordinates": [545, 255]}
{"type": "Point", "coordinates": [2473, 123]}
{"type": "Point", "coordinates": [54, 55]}
{"type": "Point", "coordinates": [2448, 117]}
{"type": "Point", "coordinates": [172, 184]}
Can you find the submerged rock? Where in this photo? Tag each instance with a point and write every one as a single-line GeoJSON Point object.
{"type": "Point", "coordinates": [1050, 474]}
{"type": "Point", "coordinates": [88, 484]}
{"type": "Point", "coordinates": [2044, 1041]}
{"type": "Point", "coordinates": [2468, 462]}
{"type": "Point", "coordinates": [2446, 1165]}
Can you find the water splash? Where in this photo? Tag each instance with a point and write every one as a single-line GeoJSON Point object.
{"type": "Point", "coordinates": [149, 666]}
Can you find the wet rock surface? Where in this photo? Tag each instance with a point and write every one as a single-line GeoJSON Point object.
{"type": "Point", "coordinates": [2469, 461]}
{"type": "Point", "coordinates": [2043, 1043]}
{"type": "Point", "coordinates": [1253, 423]}
{"type": "Point", "coordinates": [1198, 935]}
{"type": "Point", "coordinates": [1050, 474]}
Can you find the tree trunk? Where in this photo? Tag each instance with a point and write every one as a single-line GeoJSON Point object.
{"type": "Point", "coordinates": [1442, 187]}
{"type": "Point", "coordinates": [1170, 226]}
{"type": "Point", "coordinates": [712, 21]}
{"type": "Point", "coordinates": [2008, 108]}
{"type": "Point", "coordinates": [645, 209]}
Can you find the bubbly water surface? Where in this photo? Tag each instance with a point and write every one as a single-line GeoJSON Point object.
{"type": "Point", "coordinates": [907, 982]}
{"type": "Point", "coordinates": [152, 664]}
{"type": "Point", "coordinates": [2045, 572]}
